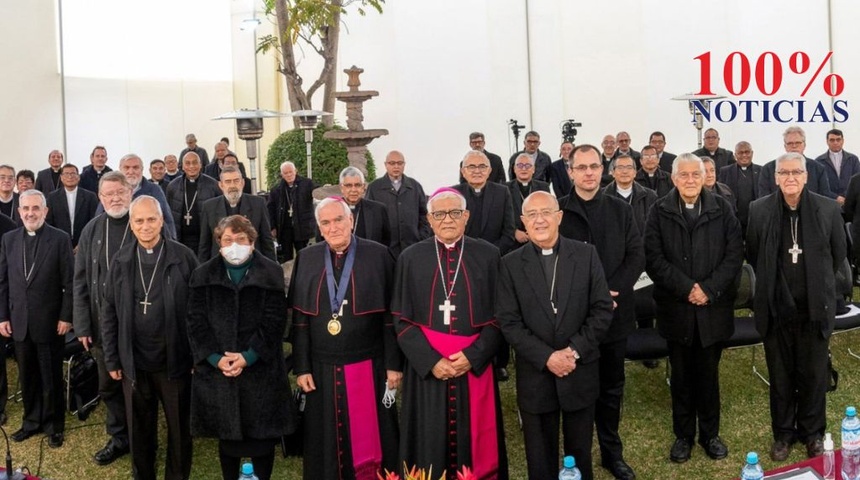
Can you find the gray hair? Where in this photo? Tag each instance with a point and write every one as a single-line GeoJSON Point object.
{"type": "Point", "coordinates": [785, 157]}
{"type": "Point", "coordinates": [446, 194]}
{"type": "Point", "coordinates": [130, 156]}
{"type": "Point", "coordinates": [742, 144]}
{"type": "Point", "coordinates": [539, 194]}
{"type": "Point", "coordinates": [328, 201]}
{"type": "Point", "coordinates": [190, 137]}
{"type": "Point", "coordinates": [708, 160]}
{"type": "Point", "coordinates": [116, 177]}
{"type": "Point", "coordinates": [34, 193]}
{"type": "Point", "coordinates": [687, 158]}
{"type": "Point", "coordinates": [350, 172]}
{"type": "Point", "coordinates": [146, 198]}
{"type": "Point", "coordinates": [794, 129]}
{"type": "Point", "coordinates": [475, 153]}
{"type": "Point", "coordinates": [287, 164]}
{"type": "Point", "coordinates": [524, 155]}
{"type": "Point", "coordinates": [619, 157]}
{"type": "Point", "coordinates": [230, 169]}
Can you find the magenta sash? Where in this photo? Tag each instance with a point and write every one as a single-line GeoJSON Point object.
{"type": "Point", "coordinates": [363, 422]}
{"type": "Point", "coordinates": [482, 406]}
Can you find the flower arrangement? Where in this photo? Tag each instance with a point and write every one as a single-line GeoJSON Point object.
{"type": "Point", "coordinates": [416, 473]}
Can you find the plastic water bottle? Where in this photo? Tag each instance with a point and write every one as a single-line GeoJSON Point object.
{"type": "Point", "coordinates": [829, 458]}
{"type": "Point", "coordinates": [248, 472]}
{"type": "Point", "coordinates": [569, 472]}
{"type": "Point", "coordinates": [850, 445]}
{"type": "Point", "coordinates": [752, 470]}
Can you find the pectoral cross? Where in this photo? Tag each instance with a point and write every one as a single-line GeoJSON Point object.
{"type": "Point", "coordinates": [187, 218]}
{"type": "Point", "coordinates": [340, 312]}
{"type": "Point", "coordinates": [447, 308]}
{"type": "Point", "coordinates": [145, 302]}
{"type": "Point", "coordinates": [794, 251]}
{"type": "Point", "coordinates": [290, 212]}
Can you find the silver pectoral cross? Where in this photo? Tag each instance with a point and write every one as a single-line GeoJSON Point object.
{"type": "Point", "coordinates": [145, 302]}
{"type": "Point", "coordinates": [794, 251]}
{"type": "Point", "coordinates": [290, 212]}
{"type": "Point", "coordinates": [447, 308]}
{"type": "Point", "coordinates": [187, 218]}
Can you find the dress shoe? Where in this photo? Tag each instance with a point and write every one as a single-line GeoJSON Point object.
{"type": "Point", "coordinates": [620, 470]}
{"type": "Point", "coordinates": [21, 434]}
{"type": "Point", "coordinates": [715, 448]}
{"type": "Point", "coordinates": [502, 374]}
{"type": "Point", "coordinates": [651, 363]}
{"type": "Point", "coordinates": [55, 440]}
{"type": "Point", "coordinates": [779, 451]}
{"type": "Point", "coordinates": [110, 453]}
{"type": "Point", "coordinates": [680, 452]}
{"type": "Point", "coordinates": [814, 448]}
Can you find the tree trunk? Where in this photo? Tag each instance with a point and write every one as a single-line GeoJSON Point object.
{"type": "Point", "coordinates": [297, 98]}
{"type": "Point", "coordinates": [332, 42]}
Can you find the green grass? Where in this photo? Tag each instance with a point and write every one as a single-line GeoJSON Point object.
{"type": "Point", "coordinates": [645, 427]}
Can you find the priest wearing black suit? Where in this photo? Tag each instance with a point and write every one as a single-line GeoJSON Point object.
{"type": "Point", "coordinates": [794, 140]}
{"type": "Point", "coordinates": [558, 176]}
{"type": "Point", "coordinates": [530, 147]}
{"type": "Point", "coordinates": [345, 350]}
{"type": "Point", "coordinates": [554, 307]}
{"type": "Point", "coordinates": [291, 211]}
{"type": "Point", "coordinates": [443, 302]}
{"type": "Point", "coordinates": [370, 218]}
{"type": "Point", "coordinates": [521, 187]}
{"type": "Point", "coordinates": [607, 222]}
{"type": "Point", "coordinates": [48, 180]}
{"type": "Point", "coordinates": [70, 208]}
{"type": "Point", "coordinates": [477, 142]}
{"type": "Point", "coordinates": [742, 179]}
{"type": "Point", "coordinates": [712, 148]}
{"type": "Point", "coordinates": [404, 198]}
{"type": "Point", "coordinates": [490, 205]}
{"type": "Point", "coordinates": [36, 270]}
{"type": "Point", "coordinates": [658, 141]}
{"type": "Point", "coordinates": [185, 195]}
{"type": "Point", "coordinates": [650, 175]}
{"type": "Point", "coordinates": [234, 202]}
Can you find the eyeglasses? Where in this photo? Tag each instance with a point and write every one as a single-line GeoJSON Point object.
{"type": "Point", "coordinates": [582, 168]}
{"type": "Point", "coordinates": [623, 140]}
{"type": "Point", "coordinates": [70, 174]}
{"type": "Point", "coordinates": [533, 215]}
{"type": "Point", "coordinates": [711, 137]}
{"type": "Point", "coordinates": [625, 167]}
{"type": "Point", "coordinates": [396, 164]}
{"type": "Point", "coordinates": [440, 215]}
{"type": "Point", "coordinates": [743, 152]}
{"type": "Point", "coordinates": [532, 141]}
{"type": "Point", "coordinates": [650, 155]}
{"type": "Point", "coordinates": [117, 194]}
{"type": "Point", "coordinates": [481, 167]}
{"type": "Point", "coordinates": [7, 178]}
{"type": "Point", "coordinates": [350, 186]}
{"type": "Point", "coordinates": [688, 175]}
{"type": "Point", "coordinates": [524, 166]}
{"type": "Point", "coordinates": [790, 173]}
{"type": "Point", "coordinates": [793, 144]}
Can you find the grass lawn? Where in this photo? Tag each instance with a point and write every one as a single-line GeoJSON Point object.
{"type": "Point", "coordinates": [645, 427]}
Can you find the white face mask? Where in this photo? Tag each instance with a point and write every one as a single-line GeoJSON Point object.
{"type": "Point", "coordinates": [236, 254]}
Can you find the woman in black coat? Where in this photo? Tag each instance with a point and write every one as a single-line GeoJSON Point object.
{"type": "Point", "coordinates": [236, 321]}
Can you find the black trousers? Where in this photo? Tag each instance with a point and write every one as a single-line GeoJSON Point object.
{"type": "Point", "coordinates": [110, 392]}
{"type": "Point", "coordinates": [289, 244]}
{"type": "Point", "coordinates": [607, 411]}
{"type": "Point", "coordinates": [540, 432]}
{"type": "Point", "coordinates": [695, 389]}
{"type": "Point", "coordinates": [142, 398]}
{"type": "Point", "coordinates": [645, 307]}
{"type": "Point", "coordinates": [4, 382]}
{"type": "Point", "coordinates": [40, 367]}
{"type": "Point", "coordinates": [796, 356]}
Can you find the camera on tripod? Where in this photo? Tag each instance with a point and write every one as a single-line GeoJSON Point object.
{"type": "Point", "coordinates": [568, 130]}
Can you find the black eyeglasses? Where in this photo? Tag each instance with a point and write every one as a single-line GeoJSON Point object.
{"type": "Point", "coordinates": [440, 215]}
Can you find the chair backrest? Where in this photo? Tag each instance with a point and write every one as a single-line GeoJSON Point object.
{"type": "Point", "coordinates": [844, 279]}
{"type": "Point", "coordinates": [746, 288]}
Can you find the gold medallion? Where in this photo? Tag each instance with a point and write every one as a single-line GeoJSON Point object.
{"type": "Point", "coordinates": [334, 325]}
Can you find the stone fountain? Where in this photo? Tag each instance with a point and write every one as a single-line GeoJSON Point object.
{"type": "Point", "coordinates": [355, 138]}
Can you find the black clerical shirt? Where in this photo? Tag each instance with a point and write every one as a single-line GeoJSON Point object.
{"type": "Point", "coordinates": [150, 344]}
{"type": "Point", "coordinates": [794, 274]}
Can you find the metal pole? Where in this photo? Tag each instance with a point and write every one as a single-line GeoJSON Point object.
{"type": "Point", "coordinates": [309, 139]}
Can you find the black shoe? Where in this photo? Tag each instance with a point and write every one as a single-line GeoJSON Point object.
{"type": "Point", "coordinates": [680, 452]}
{"type": "Point", "coordinates": [55, 440]}
{"type": "Point", "coordinates": [21, 434]}
{"type": "Point", "coordinates": [651, 363]}
{"type": "Point", "coordinates": [779, 451]}
{"type": "Point", "coordinates": [715, 448]}
{"type": "Point", "coordinates": [502, 374]}
{"type": "Point", "coordinates": [620, 470]}
{"type": "Point", "coordinates": [814, 448]}
{"type": "Point", "coordinates": [110, 453]}
{"type": "Point", "coordinates": [3, 418]}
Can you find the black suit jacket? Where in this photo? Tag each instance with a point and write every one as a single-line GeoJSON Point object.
{"type": "Point", "coordinates": [45, 182]}
{"type": "Point", "coordinates": [525, 314]}
{"type": "Point", "coordinates": [542, 164]}
{"type": "Point", "coordinates": [560, 179]}
{"type": "Point", "coordinates": [729, 176]}
{"type": "Point", "coordinates": [36, 306]}
{"type": "Point", "coordinates": [816, 181]}
{"type": "Point", "coordinates": [666, 161]}
{"type": "Point", "coordinates": [497, 216]}
{"type": "Point", "coordinates": [407, 210]}
{"type": "Point", "coordinates": [372, 222]}
{"type": "Point", "coordinates": [86, 205]}
{"type": "Point", "coordinates": [251, 207]}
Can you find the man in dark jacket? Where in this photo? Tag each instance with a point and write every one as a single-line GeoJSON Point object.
{"type": "Point", "coordinates": [291, 211]}
{"type": "Point", "coordinates": [742, 179]}
{"type": "Point", "coordinates": [185, 195]}
{"type": "Point", "coordinates": [70, 208]}
{"type": "Point", "coordinates": [521, 187]}
{"type": "Point", "coordinates": [489, 204]}
{"type": "Point", "coordinates": [623, 170]}
{"type": "Point", "coordinates": [406, 203]}
{"type": "Point", "coordinates": [694, 252]}
{"type": "Point", "coordinates": [541, 159]}
{"type": "Point", "coordinates": [712, 149]}
{"type": "Point", "coordinates": [558, 174]}
{"type": "Point", "coordinates": [839, 165]}
{"type": "Point", "coordinates": [606, 222]}
{"type": "Point", "coordinates": [48, 180]}
{"type": "Point", "coordinates": [145, 340]}
{"type": "Point", "coordinates": [101, 239]}
{"type": "Point", "coordinates": [36, 268]}
{"type": "Point", "coordinates": [650, 175]}
{"type": "Point", "coordinates": [370, 218]}
{"type": "Point", "coordinates": [794, 139]}
{"type": "Point", "coordinates": [796, 243]}
{"type": "Point", "coordinates": [92, 173]}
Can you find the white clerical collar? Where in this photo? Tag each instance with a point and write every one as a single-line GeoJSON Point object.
{"type": "Point", "coordinates": [525, 184]}
{"type": "Point", "coordinates": [31, 233]}
{"type": "Point", "coordinates": [11, 197]}
{"type": "Point", "coordinates": [448, 245]}
{"type": "Point", "coordinates": [624, 192]}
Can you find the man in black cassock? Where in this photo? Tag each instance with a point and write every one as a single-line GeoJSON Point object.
{"type": "Point", "coordinates": [6, 225]}
{"type": "Point", "coordinates": [369, 216]}
{"type": "Point", "coordinates": [443, 311]}
{"type": "Point", "coordinates": [694, 252]}
{"type": "Point", "coordinates": [36, 269]}
{"type": "Point", "coordinates": [591, 216]}
{"type": "Point", "coordinates": [145, 339]}
{"type": "Point", "coordinates": [291, 211]}
{"type": "Point", "coordinates": [186, 195]}
{"type": "Point", "coordinates": [346, 355]}
{"type": "Point", "coordinates": [521, 187]}
{"type": "Point", "coordinates": [796, 243]}
{"type": "Point", "coordinates": [101, 239]}
{"type": "Point", "coordinates": [554, 307]}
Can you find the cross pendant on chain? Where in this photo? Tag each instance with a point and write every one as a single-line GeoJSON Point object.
{"type": "Point", "coordinates": [447, 308]}
{"type": "Point", "coordinates": [145, 302]}
{"type": "Point", "coordinates": [187, 218]}
{"type": "Point", "coordinates": [794, 251]}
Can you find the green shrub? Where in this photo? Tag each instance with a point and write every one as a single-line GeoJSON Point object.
{"type": "Point", "coordinates": [329, 157]}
